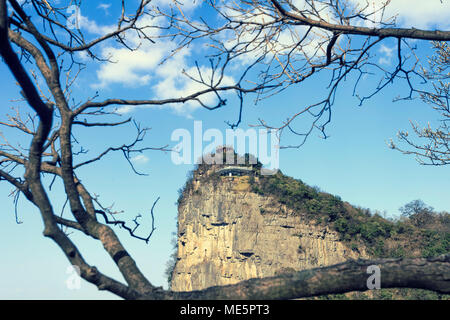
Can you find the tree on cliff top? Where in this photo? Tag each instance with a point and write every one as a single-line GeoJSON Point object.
{"type": "Point", "coordinates": [281, 44]}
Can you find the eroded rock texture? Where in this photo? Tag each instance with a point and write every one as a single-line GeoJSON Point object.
{"type": "Point", "coordinates": [227, 233]}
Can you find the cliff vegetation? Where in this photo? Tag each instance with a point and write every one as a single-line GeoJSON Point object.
{"type": "Point", "coordinates": [419, 232]}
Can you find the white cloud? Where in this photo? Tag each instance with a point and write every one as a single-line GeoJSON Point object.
{"type": "Point", "coordinates": [322, 9]}
{"type": "Point", "coordinates": [409, 13]}
{"type": "Point", "coordinates": [104, 6]}
{"type": "Point", "coordinates": [144, 67]}
{"type": "Point", "coordinates": [387, 54]}
{"type": "Point", "coordinates": [125, 109]}
{"type": "Point", "coordinates": [175, 84]}
{"type": "Point", "coordinates": [272, 42]}
{"type": "Point", "coordinates": [133, 68]}
{"type": "Point", "coordinates": [83, 56]}
{"type": "Point", "coordinates": [140, 159]}
{"type": "Point", "coordinates": [420, 14]}
{"type": "Point", "coordinates": [184, 5]}
{"type": "Point", "coordinates": [130, 68]}
{"type": "Point", "coordinates": [92, 27]}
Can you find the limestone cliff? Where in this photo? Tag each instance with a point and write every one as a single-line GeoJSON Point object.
{"type": "Point", "coordinates": [228, 233]}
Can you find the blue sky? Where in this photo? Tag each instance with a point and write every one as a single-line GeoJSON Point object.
{"type": "Point", "coordinates": [354, 162]}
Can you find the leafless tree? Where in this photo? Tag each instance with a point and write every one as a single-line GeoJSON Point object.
{"type": "Point", "coordinates": [431, 146]}
{"type": "Point", "coordinates": [285, 43]}
{"type": "Point", "coordinates": [35, 34]}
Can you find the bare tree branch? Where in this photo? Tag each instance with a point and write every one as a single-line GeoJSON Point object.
{"type": "Point", "coordinates": [410, 33]}
{"type": "Point", "coordinates": [431, 146]}
{"type": "Point", "coordinates": [431, 274]}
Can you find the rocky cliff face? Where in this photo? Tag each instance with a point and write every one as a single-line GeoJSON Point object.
{"type": "Point", "coordinates": [227, 233]}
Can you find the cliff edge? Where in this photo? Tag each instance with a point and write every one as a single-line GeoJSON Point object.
{"type": "Point", "coordinates": [228, 231]}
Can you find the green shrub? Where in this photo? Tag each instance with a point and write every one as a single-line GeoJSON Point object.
{"type": "Point", "coordinates": [435, 243]}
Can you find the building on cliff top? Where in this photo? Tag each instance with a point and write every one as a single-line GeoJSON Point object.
{"type": "Point", "coordinates": [228, 233]}
{"type": "Point", "coordinates": [231, 171]}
